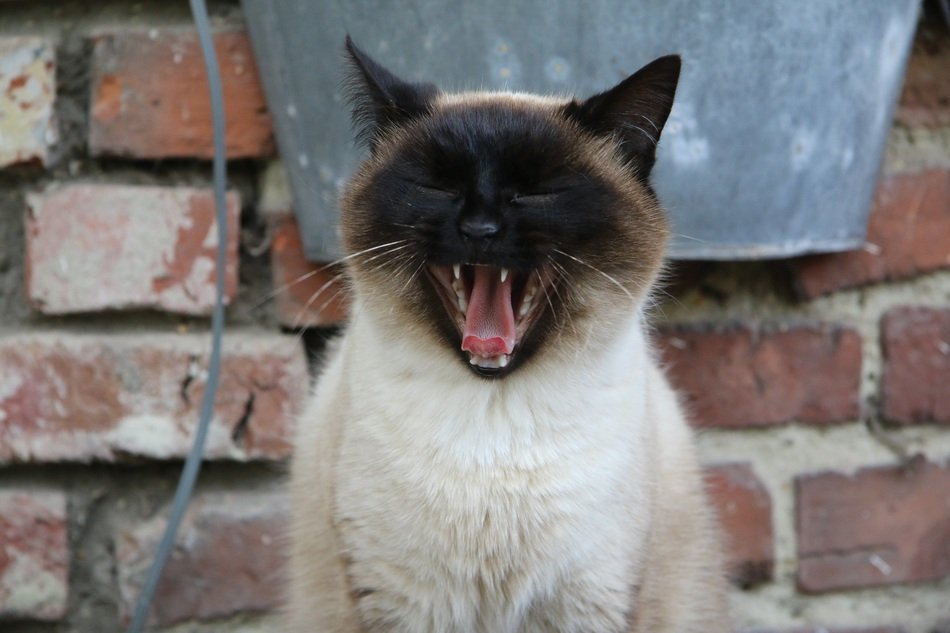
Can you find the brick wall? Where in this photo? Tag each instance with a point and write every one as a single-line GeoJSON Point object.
{"type": "Point", "coordinates": [821, 385]}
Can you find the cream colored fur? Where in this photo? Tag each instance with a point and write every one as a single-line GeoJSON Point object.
{"type": "Point", "coordinates": [564, 497]}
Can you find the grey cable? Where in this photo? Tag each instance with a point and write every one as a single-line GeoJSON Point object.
{"type": "Point", "coordinates": [189, 473]}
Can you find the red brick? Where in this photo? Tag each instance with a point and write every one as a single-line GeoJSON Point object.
{"type": "Point", "coordinates": [107, 397]}
{"type": "Point", "coordinates": [27, 93]}
{"type": "Point", "coordinates": [925, 98]}
{"type": "Point", "coordinates": [880, 526]}
{"type": "Point", "coordinates": [744, 508]}
{"type": "Point", "coordinates": [96, 247]}
{"type": "Point", "coordinates": [34, 555]}
{"type": "Point", "coordinates": [907, 236]}
{"type": "Point", "coordinates": [308, 294]}
{"type": "Point", "coordinates": [150, 96]}
{"type": "Point", "coordinates": [740, 378]}
{"type": "Point", "coordinates": [916, 380]}
{"type": "Point", "coordinates": [228, 559]}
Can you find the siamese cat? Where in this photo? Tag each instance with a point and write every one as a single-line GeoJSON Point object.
{"type": "Point", "coordinates": [492, 447]}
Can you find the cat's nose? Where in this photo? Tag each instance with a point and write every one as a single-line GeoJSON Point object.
{"type": "Point", "coordinates": [479, 227]}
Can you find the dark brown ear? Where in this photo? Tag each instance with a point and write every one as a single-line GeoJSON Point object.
{"type": "Point", "coordinates": [634, 111]}
{"type": "Point", "coordinates": [380, 99]}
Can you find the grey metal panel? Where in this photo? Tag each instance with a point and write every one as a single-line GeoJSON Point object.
{"type": "Point", "coordinates": [772, 148]}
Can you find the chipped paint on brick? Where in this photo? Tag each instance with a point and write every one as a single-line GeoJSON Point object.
{"type": "Point", "coordinates": [27, 93]}
{"type": "Point", "coordinates": [188, 271]}
{"type": "Point", "coordinates": [164, 237]}
{"type": "Point", "coordinates": [83, 397]}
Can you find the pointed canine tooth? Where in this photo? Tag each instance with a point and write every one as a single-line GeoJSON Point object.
{"type": "Point", "coordinates": [463, 304]}
{"type": "Point", "coordinates": [457, 270]}
{"type": "Point", "coordinates": [504, 274]}
{"type": "Point", "coordinates": [502, 360]}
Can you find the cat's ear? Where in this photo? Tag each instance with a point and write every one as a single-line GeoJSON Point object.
{"type": "Point", "coordinates": [380, 99]}
{"type": "Point", "coordinates": [634, 111]}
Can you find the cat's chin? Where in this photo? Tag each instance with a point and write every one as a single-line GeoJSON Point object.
{"type": "Point", "coordinates": [493, 310]}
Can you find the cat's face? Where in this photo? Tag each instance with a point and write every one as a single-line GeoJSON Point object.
{"type": "Point", "coordinates": [505, 224]}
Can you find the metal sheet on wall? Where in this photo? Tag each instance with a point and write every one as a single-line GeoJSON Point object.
{"type": "Point", "coordinates": [772, 148]}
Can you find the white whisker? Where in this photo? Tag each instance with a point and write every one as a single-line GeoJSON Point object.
{"type": "Point", "coordinates": [313, 298]}
{"type": "Point", "coordinates": [689, 237]}
{"type": "Point", "coordinates": [273, 293]}
{"type": "Point", "coordinates": [413, 276]}
{"type": "Point", "coordinates": [561, 274]}
{"type": "Point", "coordinates": [648, 120]}
{"type": "Point", "coordinates": [597, 270]}
{"type": "Point", "coordinates": [400, 244]}
{"type": "Point", "coordinates": [642, 131]}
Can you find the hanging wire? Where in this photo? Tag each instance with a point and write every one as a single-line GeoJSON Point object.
{"type": "Point", "coordinates": [189, 473]}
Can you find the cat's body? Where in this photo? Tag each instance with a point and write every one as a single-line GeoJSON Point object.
{"type": "Point", "coordinates": [560, 495]}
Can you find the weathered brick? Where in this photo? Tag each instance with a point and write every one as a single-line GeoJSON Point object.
{"type": "Point", "coordinates": [741, 378]}
{"type": "Point", "coordinates": [916, 380]}
{"type": "Point", "coordinates": [880, 526]}
{"type": "Point", "coordinates": [907, 236]}
{"type": "Point", "coordinates": [228, 559]}
{"type": "Point", "coordinates": [925, 98]}
{"type": "Point", "coordinates": [67, 397]}
{"type": "Point", "coordinates": [34, 555]}
{"type": "Point", "coordinates": [308, 294]}
{"type": "Point", "coordinates": [96, 247]}
{"type": "Point", "coordinates": [744, 508]}
{"type": "Point", "coordinates": [27, 94]}
{"type": "Point", "coordinates": [150, 96]}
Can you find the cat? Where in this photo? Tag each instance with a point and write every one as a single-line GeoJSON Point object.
{"type": "Point", "coordinates": [492, 446]}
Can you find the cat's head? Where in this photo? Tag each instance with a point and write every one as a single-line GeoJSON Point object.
{"type": "Point", "coordinates": [505, 224]}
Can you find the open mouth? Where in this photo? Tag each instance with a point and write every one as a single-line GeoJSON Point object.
{"type": "Point", "coordinates": [492, 307]}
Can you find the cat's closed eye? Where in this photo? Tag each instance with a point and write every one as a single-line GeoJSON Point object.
{"type": "Point", "coordinates": [436, 192]}
{"type": "Point", "coordinates": [540, 199]}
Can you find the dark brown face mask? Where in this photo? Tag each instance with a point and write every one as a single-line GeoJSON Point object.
{"type": "Point", "coordinates": [496, 209]}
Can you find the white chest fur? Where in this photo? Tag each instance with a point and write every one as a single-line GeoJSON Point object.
{"type": "Point", "coordinates": [475, 505]}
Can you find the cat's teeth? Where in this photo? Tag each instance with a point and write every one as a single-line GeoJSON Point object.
{"type": "Point", "coordinates": [504, 274]}
{"type": "Point", "coordinates": [525, 307]}
{"type": "Point", "coordinates": [460, 298]}
{"type": "Point", "coordinates": [493, 362]}
{"type": "Point", "coordinates": [457, 270]}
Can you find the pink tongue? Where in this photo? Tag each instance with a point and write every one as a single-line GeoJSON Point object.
{"type": "Point", "coordinates": [490, 320]}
